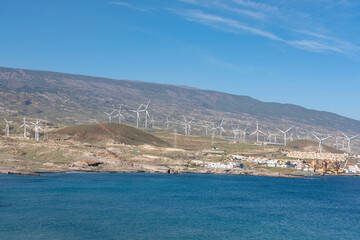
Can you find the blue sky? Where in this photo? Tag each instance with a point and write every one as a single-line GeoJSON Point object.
{"type": "Point", "coordinates": [290, 51]}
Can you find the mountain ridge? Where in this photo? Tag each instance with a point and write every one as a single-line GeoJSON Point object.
{"type": "Point", "coordinates": [37, 90]}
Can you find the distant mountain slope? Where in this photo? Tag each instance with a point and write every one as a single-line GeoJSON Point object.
{"type": "Point", "coordinates": [75, 99]}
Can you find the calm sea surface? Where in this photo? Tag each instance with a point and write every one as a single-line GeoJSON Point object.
{"type": "Point", "coordinates": [190, 206]}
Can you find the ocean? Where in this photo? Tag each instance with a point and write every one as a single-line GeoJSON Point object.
{"type": "Point", "coordinates": [189, 206]}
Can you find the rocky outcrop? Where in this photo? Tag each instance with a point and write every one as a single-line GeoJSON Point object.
{"type": "Point", "coordinates": [87, 163]}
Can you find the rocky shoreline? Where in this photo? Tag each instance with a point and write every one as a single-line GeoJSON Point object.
{"type": "Point", "coordinates": [156, 169]}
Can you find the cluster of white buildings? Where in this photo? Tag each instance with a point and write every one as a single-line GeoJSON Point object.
{"type": "Point", "coordinates": [218, 165]}
{"type": "Point", "coordinates": [298, 165]}
{"type": "Point", "coordinates": [354, 169]}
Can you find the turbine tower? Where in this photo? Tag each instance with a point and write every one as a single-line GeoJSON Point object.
{"type": "Point", "coordinates": [244, 134]}
{"type": "Point", "coordinates": [337, 145]}
{"type": "Point", "coordinates": [109, 115]}
{"type": "Point", "coordinates": [187, 126]}
{"type": "Point", "coordinates": [206, 129]}
{"type": "Point", "coordinates": [221, 128]}
{"type": "Point", "coordinates": [269, 136]}
{"type": "Point", "coordinates": [167, 123]}
{"type": "Point", "coordinates": [24, 125]}
{"type": "Point", "coordinates": [213, 129]}
{"type": "Point", "coordinates": [119, 115]}
{"type": "Point", "coordinates": [321, 140]}
{"type": "Point", "coordinates": [285, 132]}
{"type": "Point", "coordinates": [236, 132]}
{"type": "Point", "coordinates": [152, 121]}
{"type": "Point", "coordinates": [7, 127]}
{"type": "Point", "coordinates": [146, 114]}
{"type": "Point", "coordinates": [257, 131]}
{"type": "Point", "coordinates": [137, 114]}
{"type": "Point", "coordinates": [36, 128]}
{"type": "Point", "coordinates": [349, 141]}
{"type": "Point", "coordinates": [275, 136]}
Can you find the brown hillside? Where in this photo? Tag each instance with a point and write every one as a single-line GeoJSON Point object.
{"type": "Point", "coordinates": [310, 146]}
{"type": "Point", "coordinates": [104, 131]}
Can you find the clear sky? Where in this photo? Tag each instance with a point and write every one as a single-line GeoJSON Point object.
{"type": "Point", "coordinates": [290, 51]}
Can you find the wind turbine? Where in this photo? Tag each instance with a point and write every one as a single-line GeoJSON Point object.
{"type": "Point", "coordinates": [257, 131]}
{"type": "Point", "coordinates": [7, 127]}
{"type": "Point", "coordinates": [269, 138]}
{"type": "Point", "coordinates": [206, 129]}
{"type": "Point", "coordinates": [337, 145]}
{"type": "Point", "coordinates": [236, 132]}
{"type": "Point", "coordinates": [213, 129]}
{"type": "Point", "coordinates": [285, 132]}
{"type": "Point", "coordinates": [119, 115]}
{"type": "Point", "coordinates": [221, 128]}
{"type": "Point", "coordinates": [321, 140]}
{"type": "Point", "coordinates": [187, 126]}
{"type": "Point", "coordinates": [167, 123]}
{"type": "Point", "coordinates": [349, 141]}
{"type": "Point", "coordinates": [36, 128]}
{"type": "Point", "coordinates": [24, 125]}
{"type": "Point", "coordinates": [152, 121]}
{"type": "Point", "coordinates": [275, 136]}
{"type": "Point", "coordinates": [291, 137]}
{"type": "Point", "coordinates": [109, 115]}
{"type": "Point", "coordinates": [137, 115]}
{"type": "Point", "coordinates": [146, 113]}
{"type": "Point", "coordinates": [244, 134]}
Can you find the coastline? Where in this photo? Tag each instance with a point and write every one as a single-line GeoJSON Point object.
{"type": "Point", "coordinates": [226, 172]}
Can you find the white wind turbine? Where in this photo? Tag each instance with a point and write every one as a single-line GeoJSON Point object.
{"type": "Point", "coordinates": [213, 129]}
{"type": "Point", "coordinates": [152, 121]}
{"type": "Point", "coordinates": [285, 132]}
{"type": "Point", "coordinates": [343, 145]}
{"type": "Point", "coordinates": [244, 134]}
{"type": "Point", "coordinates": [275, 136]}
{"type": "Point", "coordinates": [24, 125]}
{"type": "Point", "coordinates": [321, 140]}
{"type": "Point", "coordinates": [146, 114]}
{"type": "Point", "coordinates": [119, 115]}
{"type": "Point", "coordinates": [291, 137]}
{"type": "Point", "coordinates": [187, 126]}
{"type": "Point", "coordinates": [269, 136]}
{"type": "Point", "coordinates": [167, 123]}
{"type": "Point", "coordinates": [37, 129]}
{"type": "Point", "coordinates": [349, 139]}
{"type": "Point", "coordinates": [257, 131]}
{"type": "Point", "coordinates": [137, 114]}
{"type": "Point", "coordinates": [221, 129]}
{"type": "Point", "coordinates": [206, 126]}
{"type": "Point", "coordinates": [236, 132]}
{"type": "Point", "coordinates": [337, 144]}
{"type": "Point", "coordinates": [109, 115]}
{"type": "Point", "coordinates": [7, 127]}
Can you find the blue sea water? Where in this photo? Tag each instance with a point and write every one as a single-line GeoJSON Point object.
{"type": "Point", "coordinates": [189, 206]}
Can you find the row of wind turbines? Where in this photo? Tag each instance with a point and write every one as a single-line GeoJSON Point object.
{"type": "Point", "coordinates": [240, 134]}
{"type": "Point", "coordinates": [36, 127]}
